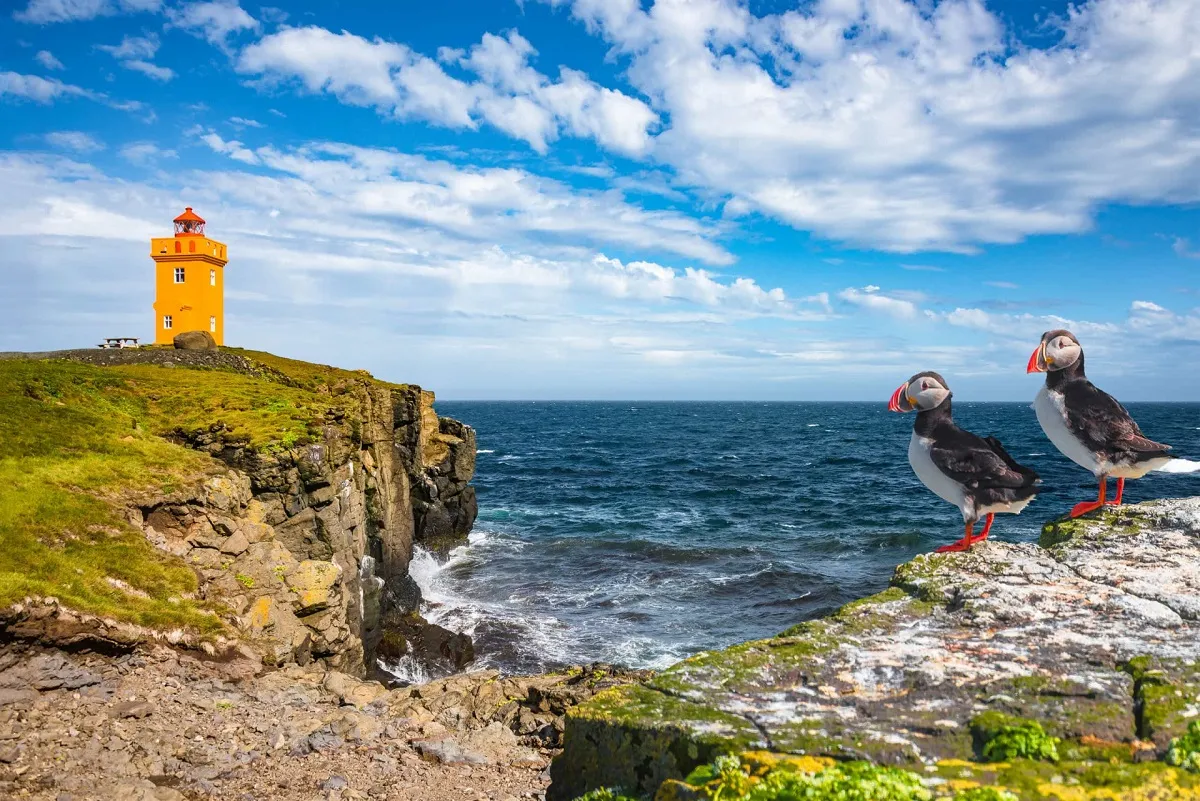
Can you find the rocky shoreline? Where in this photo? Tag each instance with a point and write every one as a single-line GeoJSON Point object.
{"type": "Point", "coordinates": [1081, 654]}
{"type": "Point", "coordinates": [292, 499]}
{"type": "Point", "coordinates": [165, 724]}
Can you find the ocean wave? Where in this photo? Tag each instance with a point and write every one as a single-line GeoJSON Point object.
{"type": "Point", "coordinates": [477, 450]}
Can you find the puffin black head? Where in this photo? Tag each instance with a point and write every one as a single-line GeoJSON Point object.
{"type": "Point", "coordinates": [1058, 350]}
{"type": "Point", "coordinates": [922, 392]}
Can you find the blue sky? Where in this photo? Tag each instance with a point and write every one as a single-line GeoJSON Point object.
{"type": "Point", "coordinates": [699, 199]}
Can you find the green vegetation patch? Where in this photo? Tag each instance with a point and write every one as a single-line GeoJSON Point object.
{"type": "Point", "coordinates": [985, 794]}
{"type": "Point", "coordinates": [729, 779]}
{"type": "Point", "coordinates": [999, 738]}
{"type": "Point", "coordinates": [606, 794]}
{"type": "Point", "coordinates": [1185, 751]}
{"type": "Point", "coordinates": [70, 447]}
{"type": "Point", "coordinates": [79, 443]}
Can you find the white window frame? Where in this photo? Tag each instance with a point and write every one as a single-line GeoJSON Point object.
{"type": "Point", "coordinates": [212, 277]}
{"type": "Point", "coordinates": [180, 275]}
{"type": "Point", "coordinates": [167, 322]}
{"type": "Point", "coordinates": [212, 324]}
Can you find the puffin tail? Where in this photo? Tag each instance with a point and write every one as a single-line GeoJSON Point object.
{"type": "Point", "coordinates": [1179, 466]}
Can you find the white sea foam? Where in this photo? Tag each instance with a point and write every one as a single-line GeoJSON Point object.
{"type": "Point", "coordinates": [722, 580]}
{"type": "Point", "coordinates": [407, 670]}
{"type": "Point", "coordinates": [537, 635]}
{"type": "Point", "coordinates": [477, 450]}
{"type": "Point", "coordinates": [813, 425]}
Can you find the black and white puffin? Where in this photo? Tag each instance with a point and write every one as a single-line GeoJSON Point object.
{"type": "Point", "coordinates": [974, 473]}
{"type": "Point", "coordinates": [1091, 427]}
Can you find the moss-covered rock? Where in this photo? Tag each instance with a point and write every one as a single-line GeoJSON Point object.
{"type": "Point", "coordinates": [1045, 672]}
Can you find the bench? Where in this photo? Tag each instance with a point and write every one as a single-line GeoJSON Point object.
{"type": "Point", "coordinates": [119, 342]}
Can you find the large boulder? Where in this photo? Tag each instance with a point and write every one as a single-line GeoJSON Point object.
{"type": "Point", "coordinates": [436, 649]}
{"type": "Point", "coordinates": [194, 340]}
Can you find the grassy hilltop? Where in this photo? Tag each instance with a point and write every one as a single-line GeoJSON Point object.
{"type": "Point", "coordinates": [79, 442]}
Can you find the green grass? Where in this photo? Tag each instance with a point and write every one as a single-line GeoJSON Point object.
{"type": "Point", "coordinates": [78, 443]}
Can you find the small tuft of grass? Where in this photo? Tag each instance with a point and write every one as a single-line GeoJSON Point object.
{"type": "Point", "coordinates": [1000, 738]}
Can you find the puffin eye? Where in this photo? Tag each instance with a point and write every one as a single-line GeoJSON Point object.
{"type": "Point", "coordinates": [924, 385]}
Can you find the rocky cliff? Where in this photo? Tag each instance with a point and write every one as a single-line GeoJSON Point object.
{"type": "Point", "coordinates": [1062, 670]}
{"type": "Point", "coordinates": [293, 492]}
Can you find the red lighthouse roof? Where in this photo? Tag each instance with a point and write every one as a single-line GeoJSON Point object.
{"type": "Point", "coordinates": [189, 223]}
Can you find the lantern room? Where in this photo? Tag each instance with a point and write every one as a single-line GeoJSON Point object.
{"type": "Point", "coordinates": [189, 223]}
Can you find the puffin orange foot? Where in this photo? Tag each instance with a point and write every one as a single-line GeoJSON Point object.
{"type": "Point", "coordinates": [962, 545]}
{"type": "Point", "coordinates": [1081, 509]}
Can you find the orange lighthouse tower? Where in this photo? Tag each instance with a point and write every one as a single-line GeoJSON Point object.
{"type": "Point", "coordinates": [189, 279]}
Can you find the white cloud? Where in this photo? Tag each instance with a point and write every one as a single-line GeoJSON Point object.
{"type": "Point", "coordinates": [445, 275]}
{"type": "Point", "coordinates": [132, 47]}
{"type": "Point", "coordinates": [45, 11]}
{"type": "Point", "coordinates": [508, 93]}
{"type": "Point", "coordinates": [149, 69]}
{"type": "Point", "coordinates": [47, 60]}
{"type": "Point", "coordinates": [650, 281]}
{"type": "Point", "coordinates": [1002, 284]}
{"type": "Point", "coordinates": [1183, 248]}
{"type": "Point", "coordinates": [913, 125]}
{"type": "Point", "coordinates": [212, 20]}
{"type": "Point", "coordinates": [489, 298]}
{"type": "Point", "coordinates": [242, 122]}
{"type": "Point", "coordinates": [375, 186]}
{"type": "Point", "coordinates": [78, 141]}
{"type": "Point", "coordinates": [234, 149]}
{"type": "Point", "coordinates": [135, 52]}
{"type": "Point", "coordinates": [145, 153]}
{"type": "Point", "coordinates": [36, 88]}
{"type": "Point", "coordinates": [869, 297]}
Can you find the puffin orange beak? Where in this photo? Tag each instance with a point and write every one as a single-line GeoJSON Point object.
{"type": "Point", "coordinates": [1037, 362]}
{"type": "Point", "coordinates": [899, 401]}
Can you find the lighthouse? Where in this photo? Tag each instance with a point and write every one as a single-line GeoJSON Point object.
{"type": "Point", "coordinates": [189, 281]}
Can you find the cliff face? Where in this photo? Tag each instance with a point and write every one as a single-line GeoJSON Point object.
{"type": "Point", "coordinates": [1055, 671]}
{"type": "Point", "coordinates": [301, 544]}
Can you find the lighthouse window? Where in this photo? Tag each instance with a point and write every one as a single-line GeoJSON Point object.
{"type": "Point", "coordinates": [191, 247]}
{"type": "Point", "coordinates": [212, 324]}
{"type": "Point", "coordinates": [179, 275]}
{"type": "Point", "coordinates": [178, 247]}
{"type": "Point", "coordinates": [166, 321]}
{"type": "Point", "coordinates": [212, 277]}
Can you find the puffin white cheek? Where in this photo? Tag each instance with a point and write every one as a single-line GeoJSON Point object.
{"type": "Point", "coordinates": [930, 398]}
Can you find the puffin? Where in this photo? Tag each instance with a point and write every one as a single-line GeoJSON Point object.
{"type": "Point", "coordinates": [974, 473]}
{"type": "Point", "coordinates": [1091, 427]}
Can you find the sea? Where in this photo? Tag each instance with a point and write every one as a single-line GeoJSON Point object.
{"type": "Point", "coordinates": [641, 533]}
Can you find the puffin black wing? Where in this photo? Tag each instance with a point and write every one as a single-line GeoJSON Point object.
{"type": "Point", "coordinates": [1103, 425]}
{"type": "Point", "coordinates": [1031, 476]}
{"type": "Point", "coordinates": [978, 463]}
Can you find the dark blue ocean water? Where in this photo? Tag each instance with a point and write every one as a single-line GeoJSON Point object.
{"type": "Point", "coordinates": [640, 533]}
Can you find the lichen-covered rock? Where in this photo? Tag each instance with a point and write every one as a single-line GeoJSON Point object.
{"type": "Point", "coordinates": [1092, 641]}
{"type": "Point", "coordinates": [314, 583]}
